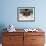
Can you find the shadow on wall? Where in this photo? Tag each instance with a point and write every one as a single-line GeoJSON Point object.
{"type": "Point", "coordinates": [2, 26]}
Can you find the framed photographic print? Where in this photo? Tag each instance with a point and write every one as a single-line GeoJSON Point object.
{"type": "Point", "coordinates": [25, 14]}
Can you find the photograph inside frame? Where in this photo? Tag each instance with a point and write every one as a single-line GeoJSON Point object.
{"type": "Point", "coordinates": [26, 14]}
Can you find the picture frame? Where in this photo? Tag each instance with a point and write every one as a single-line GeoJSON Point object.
{"type": "Point", "coordinates": [26, 14]}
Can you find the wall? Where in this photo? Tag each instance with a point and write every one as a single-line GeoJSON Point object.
{"type": "Point", "coordinates": [9, 13]}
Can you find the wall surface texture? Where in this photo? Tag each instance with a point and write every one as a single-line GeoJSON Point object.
{"type": "Point", "coordinates": [8, 13]}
